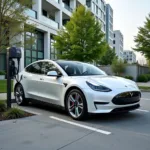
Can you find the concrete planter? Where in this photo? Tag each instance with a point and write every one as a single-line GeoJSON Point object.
{"type": "Point", "coordinates": [2, 77]}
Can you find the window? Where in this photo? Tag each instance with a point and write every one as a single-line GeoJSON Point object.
{"type": "Point", "coordinates": [34, 51]}
{"type": "Point", "coordinates": [114, 48]}
{"type": "Point", "coordinates": [34, 68]}
{"type": "Point", "coordinates": [97, 1]}
{"type": "Point", "coordinates": [53, 52]}
{"type": "Point", "coordinates": [113, 41]}
{"type": "Point", "coordinates": [97, 10]}
{"type": "Point", "coordinates": [114, 35]}
{"type": "Point", "coordinates": [44, 13]}
{"type": "Point", "coordinates": [47, 66]}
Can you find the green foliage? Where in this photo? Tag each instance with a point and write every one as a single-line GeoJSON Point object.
{"type": "Point", "coordinates": [118, 67]}
{"type": "Point", "coordinates": [2, 73]}
{"type": "Point", "coordinates": [148, 76]}
{"type": "Point", "coordinates": [82, 38]}
{"type": "Point", "coordinates": [129, 77]}
{"type": "Point", "coordinates": [2, 106]}
{"type": "Point", "coordinates": [108, 57]}
{"type": "Point", "coordinates": [14, 113]}
{"type": "Point", "coordinates": [142, 78]}
{"type": "Point", "coordinates": [142, 39]}
{"type": "Point", "coordinates": [13, 22]}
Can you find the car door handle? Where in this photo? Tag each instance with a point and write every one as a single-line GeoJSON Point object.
{"type": "Point", "coordinates": [41, 79]}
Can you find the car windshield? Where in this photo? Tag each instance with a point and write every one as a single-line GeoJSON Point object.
{"type": "Point", "coordinates": [80, 69]}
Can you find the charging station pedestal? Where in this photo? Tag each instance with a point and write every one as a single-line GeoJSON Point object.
{"type": "Point", "coordinates": [12, 71]}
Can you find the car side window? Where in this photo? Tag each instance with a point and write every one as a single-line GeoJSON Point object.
{"type": "Point", "coordinates": [34, 68]}
{"type": "Point", "coordinates": [47, 66]}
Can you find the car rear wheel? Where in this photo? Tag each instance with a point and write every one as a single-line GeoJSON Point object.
{"type": "Point", "coordinates": [76, 104]}
{"type": "Point", "coordinates": [19, 95]}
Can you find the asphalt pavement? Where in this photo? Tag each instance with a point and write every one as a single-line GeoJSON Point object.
{"type": "Point", "coordinates": [53, 129]}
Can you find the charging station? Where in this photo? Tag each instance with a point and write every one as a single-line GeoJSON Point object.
{"type": "Point", "coordinates": [12, 70]}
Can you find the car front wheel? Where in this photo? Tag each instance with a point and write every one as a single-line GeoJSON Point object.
{"type": "Point", "coordinates": [19, 95]}
{"type": "Point", "coordinates": [76, 104]}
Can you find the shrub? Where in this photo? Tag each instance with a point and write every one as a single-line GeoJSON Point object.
{"type": "Point", "coordinates": [2, 73]}
{"type": "Point", "coordinates": [142, 78]}
{"type": "Point", "coordinates": [129, 77]}
{"type": "Point", "coordinates": [14, 113]}
{"type": "Point", "coordinates": [2, 106]}
{"type": "Point", "coordinates": [118, 67]}
{"type": "Point", "coordinates": [148, 76]}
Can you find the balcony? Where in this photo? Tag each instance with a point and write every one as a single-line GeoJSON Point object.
{"type": "Point", "coordinates": [67, 7]}
{"type": "Point", "coordinates": [50, 22]}
{"type": "Point", "coordinates": [31, 13]}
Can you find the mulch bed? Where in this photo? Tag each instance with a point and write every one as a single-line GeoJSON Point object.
{"type": "Point", "coordinates": [26, 115]}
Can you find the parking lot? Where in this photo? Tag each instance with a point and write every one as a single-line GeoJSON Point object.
{"type": "Point", "coordinates": [53, 129]}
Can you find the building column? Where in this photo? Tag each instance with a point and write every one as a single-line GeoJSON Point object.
{"type": "Point", "coordinates": [38, 8]}
{"type": "Point", "coordinates": [58, 17]}
{"type": "Point", "coordinates": [47, 45]}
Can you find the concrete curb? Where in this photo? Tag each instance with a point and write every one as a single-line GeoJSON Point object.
{"type": "Point", "coordinates": [143, 90]}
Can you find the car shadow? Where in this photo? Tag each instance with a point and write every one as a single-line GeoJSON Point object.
{"type": "Point", "coordinates": [93, 118]}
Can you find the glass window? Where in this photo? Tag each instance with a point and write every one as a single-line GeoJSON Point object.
{"type": "Point", "coordinates": [28, 53]}
{"type": "Point", "coordinates": [34, 51]}
{"type": "Point", "coordinates": [47, 66]}
{"type": "Point", "coordinates": [34, 68]}
{"type": "Point", "coordinates": [80, 69]}
{"type": "Point", "coordinates": [40, 54]}
{"type": "Point", "coordinates": [28, 61]}
{"type": "Point", "coordinates": [34, 54]}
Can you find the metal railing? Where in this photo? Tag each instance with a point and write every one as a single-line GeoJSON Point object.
{"type": "Point", "coordinates": [31, 13]}
{"type": "Point", "coordinates": [50, 22]}
{"type": "Point", "coordinates": [67, 7]}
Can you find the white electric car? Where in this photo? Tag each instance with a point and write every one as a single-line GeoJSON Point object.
{"type": "Point", "coordinates": [78, 87]}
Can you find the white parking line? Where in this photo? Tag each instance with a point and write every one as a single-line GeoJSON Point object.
{"type": "Point", "coordinates": [146, 99]}
{"type": "Point", "coordinates": [80, 125]}
{"type": "Point", "coordinates": [142, 110]}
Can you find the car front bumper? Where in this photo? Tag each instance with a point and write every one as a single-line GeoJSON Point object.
{"type": "Point", "coordinates": [103, 102]}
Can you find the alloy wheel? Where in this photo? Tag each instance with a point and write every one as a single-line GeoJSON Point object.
{"type": "Point", "coordinates": [75, 104]}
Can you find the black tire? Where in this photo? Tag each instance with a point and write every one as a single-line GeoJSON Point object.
{"type": "Point", "coordinates": [84, 112]}
{"type": "Point", "coordinates": [20, 96]}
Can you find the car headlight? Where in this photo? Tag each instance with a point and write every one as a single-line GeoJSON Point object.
{"type": "Point", "coordinates": [100, 88]}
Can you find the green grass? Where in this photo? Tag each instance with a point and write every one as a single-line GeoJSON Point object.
{"type": "Point", "coordinates": [3, 86]}
{"type": "Point", "coordinates": [144, 87]}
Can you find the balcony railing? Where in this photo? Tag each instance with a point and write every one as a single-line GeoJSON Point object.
{"type": "Point", "coordinates": [50, 22]}
{"type": "Point", "coordinates": [67, 7]}
{"type": "Point", "coordinates": [31, 13]}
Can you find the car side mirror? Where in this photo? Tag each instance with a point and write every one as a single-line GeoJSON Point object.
{"type": "Point", "coordinates": [53, 74]}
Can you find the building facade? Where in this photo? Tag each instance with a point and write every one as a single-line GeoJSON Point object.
{"type": "Point", "coordinates": [129, 56]}
{"type": "Point", "coordinates": [118, 43]}
{"type": "Point", "coordinates": [109, 25]}
{"type": "Point", "coordinates": [49, 16]}
{"type": "Point", "coordinates": [98, 8]}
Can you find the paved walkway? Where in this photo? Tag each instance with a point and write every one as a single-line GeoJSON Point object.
{"type": "Point", "coordinates": [4, 95]}
{"type": "Point", "coordinates": [143, 84]}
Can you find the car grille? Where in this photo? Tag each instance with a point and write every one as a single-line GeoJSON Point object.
{"type": "Point", "coordinates": [127, 98]}
{"type": "Point", "coordinates": [125, 109]}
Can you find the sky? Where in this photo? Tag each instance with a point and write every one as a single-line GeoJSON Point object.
{"type": "Point", "coordinates": [128, 16]}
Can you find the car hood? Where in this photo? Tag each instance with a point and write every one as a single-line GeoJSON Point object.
{"type": "Point", "coordinates": [111, 82]}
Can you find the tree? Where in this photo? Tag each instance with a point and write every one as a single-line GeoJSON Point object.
{"type": "Point", "coordinates": [118, 67]}
{"type": "Point", "coordinates": [13, 22]}
{"type": "Point", "coordinates": [82, 38]}
{"type": "Point", "coordinates": [142, 39]}
{"type": "Point", "coordinates": [108, 57]}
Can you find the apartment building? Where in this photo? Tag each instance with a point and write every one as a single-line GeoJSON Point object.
{"type": "Point", "coordinates": [49, 16]}
{"type": "Point", "coordinates": [98, 8]}
{"type": "Point", "coordinates": [118, 43]}
{"type": "Point", "coordinates": [109, 25]}
{"type": "Point", "coordinates": [129, 56]}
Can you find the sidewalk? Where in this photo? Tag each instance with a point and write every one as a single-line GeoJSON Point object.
{"type": "Point", "coordinates": [143, 84]}
{"type": "Point", "coordinates": [4, 95]}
